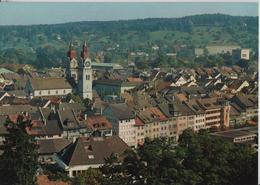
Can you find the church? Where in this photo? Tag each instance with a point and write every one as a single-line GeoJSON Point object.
{"type": "Point", "coordinates": [80, 71]}
{"type": "Point", "coordinates": [78, 78]}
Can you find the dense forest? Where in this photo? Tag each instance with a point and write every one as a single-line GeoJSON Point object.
{"type": "Point", "coordinates": [46, 45]}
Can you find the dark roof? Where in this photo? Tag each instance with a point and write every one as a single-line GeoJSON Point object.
{"type": "Point", "coordinates": [69, 121]}
{"type": "Point", "coordinates": [47, 128]}
{"type": "Point", "coordinates": [165, 109]}
{"type": "Point", "coordinates": [121, 111]}
{"type": "Point", "coordinates": [72, 106]}
{"type": "Point", "coordinates": [16, 109]}
{"type": "Point", "coordinates": [50, 146]}
{"type": "Point", "coordinates": [92, 150]}
{"type": "Point", "coordinates": [233, 133]}
{"type": "Point", "coordinates": [115, 82]}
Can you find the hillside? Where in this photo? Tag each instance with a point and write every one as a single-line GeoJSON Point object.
{"type": "Point", "coordinates": [46, 45]}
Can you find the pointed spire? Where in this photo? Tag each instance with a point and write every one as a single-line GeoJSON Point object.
{"type": "Point", "coordinates": [84, 53]}
{"type": "Point", "coordinates": [71, 53]}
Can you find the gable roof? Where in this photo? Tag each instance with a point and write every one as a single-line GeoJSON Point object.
{"type": "Point", "coordinates": [92, 150]}
{"type": "Point", "coordinates": [49, 83]}
{"type": "Point", "coordinates": [50, 146]}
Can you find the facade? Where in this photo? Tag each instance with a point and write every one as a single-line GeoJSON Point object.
{"type": "Point", "coordinates": [216, 112]}
{"type": "Point", "coordinates": [123, 122]}
{"type": "Point", "coordinates": [81, 71]}
{"type": "Point", "coordinates": [113, 87]}
{"type": "Point", "coordinates": [51, 86]}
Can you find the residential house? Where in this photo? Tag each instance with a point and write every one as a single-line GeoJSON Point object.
{"type": "Point", "coordinates": [99, 125]}
{"type": "Point", "coordinates": [48, 147]}
{"type": "Point", "coordinates": [88, 152]}
{"type": "Point", "coordinates": [123, 122]}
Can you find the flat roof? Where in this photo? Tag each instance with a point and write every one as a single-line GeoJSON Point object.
{"type": "Point", "coordinates": [233, 133]}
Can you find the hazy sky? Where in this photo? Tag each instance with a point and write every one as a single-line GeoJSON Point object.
{"type": "Point", "coordinates": [49, 13]}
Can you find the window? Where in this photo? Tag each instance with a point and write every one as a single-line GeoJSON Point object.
{"type": "Point", "coordinates": [57, 91]}
{"type": "Point", "coordinates": [40, 92]}
{"type": "Point", "coordinates": [87, 77]}
{"type": "Point", "coordinates": [49, 92]}
{"type": "Point", "coordinates": [64, 91]}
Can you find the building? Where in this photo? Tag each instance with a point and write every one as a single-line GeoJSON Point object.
{"type": "Point", "coordinates": [113, 87]}
{"type": "Point", "coordinates": [81, 71]}
{"type": "Point", "coordinates": [72, 125]}
{"type": "Point", "coordinates": [48, 147]}
{"type": "Point", "coordinates": [123, 122]}
{"type": "Point", "coordinates": [218, 49]}
{"type": "Point", "coordinates": [241, 54]}
{"type": "Point", "coordinates": [88, 152]}
{"type": "Point", "coordinates": [99, 125]}
{"type": "Point", "coordinates": [51, 86]}
{"type": "Point", "coordinates": [85, 74]}
{"type": "Point", "coordinates": [237, 135]}
{"type": "Point", "coordinates": [216, 112]}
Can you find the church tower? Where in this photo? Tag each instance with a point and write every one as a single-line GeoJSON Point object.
{"type": "Point", "coordinates": [85, 74]}
{"type": "Point", "coordinates": [72, 69]}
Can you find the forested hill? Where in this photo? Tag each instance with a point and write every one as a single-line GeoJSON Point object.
{"type": "Point", "coordinates": [17, 43]}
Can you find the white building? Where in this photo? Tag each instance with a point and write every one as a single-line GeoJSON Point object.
{"type": "Point", "coordinates": [123, 122]}
{"type": "Point", "coordinates": [51, 86]}
{"type": "Point", "coordinates": [88, 152]}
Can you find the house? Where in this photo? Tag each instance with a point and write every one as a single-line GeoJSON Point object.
{"type": "Point", "coordinates": [99, 125]}
{"type": "Point", "coordinates": [151, 123]}
{"type": "Point", "coordinates": [247, 104]}
{"type": "Point", "coordinates": [73, 126]}
{"type": "Point", "coordinates": [88, 152]}
{"type": "Point", "coordinates": [199, 119]}
{"type": "Point", "coordinates": [51, 86]}
{"type": "Point", "coordinates": [217, 112]}
{"type": "Point", "coordinates": [113, 87]}
{"type": "Point", "coordinates": [48, 147]}
{"type": "Point", "coordinates": [123, 121]}
{"type": "Point", "coordinates": [237, 85]}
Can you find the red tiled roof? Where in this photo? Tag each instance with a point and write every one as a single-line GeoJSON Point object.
{"type": "Point", "coordinates": [133, 79]}
{"type": "Point", "coordinates": [138, 122]}
{"type": "Point", "coordinates": [44, 180]}
{"type": "Point", "coordinates": [99, 122]}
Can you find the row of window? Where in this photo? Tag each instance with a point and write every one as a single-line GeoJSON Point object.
{"type": "Point", "coordinates": [212, 118]}
{"type": "Point", "coordinates": [200, 121]}
{"type": "Point", "coordinates": [49, 92]}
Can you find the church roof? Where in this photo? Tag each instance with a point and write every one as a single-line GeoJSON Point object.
{"type": "Point", "coordinates": [50, 83]}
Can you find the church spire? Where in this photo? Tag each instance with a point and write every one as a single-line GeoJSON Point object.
{"type": "Point", "coordinates": [84, 53]}
{"type": "Point", "coordinates": [72, 52]}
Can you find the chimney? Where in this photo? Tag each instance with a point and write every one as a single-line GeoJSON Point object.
{"type": "Point", "coordinates": [85, 116]}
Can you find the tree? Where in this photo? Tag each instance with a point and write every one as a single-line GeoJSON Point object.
{"type": "Point", "coordinates": [112, 171]}
{"type": "Point", "coordinates": [198, 159]}
{"type": "Point", "coordinates": [19, 161]}
{"type": "Point", "coordinates": [73, 97]}
{"type": "Point", "coordinates": [88, 103]}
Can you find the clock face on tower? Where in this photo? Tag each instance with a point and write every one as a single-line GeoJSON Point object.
{"type": "Point", "coordinates": [87, 63]}
{"type": "Point", "coordinates": [73, 64]}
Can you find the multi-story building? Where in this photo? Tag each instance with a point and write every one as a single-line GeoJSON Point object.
{"type": "Point", "coordinates": [123, 122]}
{"type": "Point", "coordinates": [216, 112]}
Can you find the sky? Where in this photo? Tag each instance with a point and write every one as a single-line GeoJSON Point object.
{"type": "Point", "coordinates": [51, 13]}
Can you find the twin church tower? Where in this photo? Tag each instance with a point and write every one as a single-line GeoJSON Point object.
{"type": "Point", "coordinates": [80, 70]}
